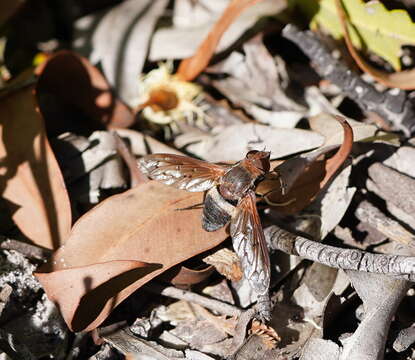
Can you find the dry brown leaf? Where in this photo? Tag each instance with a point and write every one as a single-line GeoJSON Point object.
{"type": "Point", "coordinates": [401, 79]}
{"type": "Point", "coordinates": [183, 276]}
{"type": "Point", "coordinates": [219, 321]}
{"type": "Point", "coordinates": [142, 225]}
{"type": "Point", "coordinates": [267, 334]}
{"type": "Point", "coordinates": [31, 180]}
{"type": "Point", "coordinates": [191, 67]}
{"type": "Point", "coordinates": [226, 263]}
{"type": "Point", "coordinates": [303, 189]}
{"type": "Point", "coordinates": [74, 96]}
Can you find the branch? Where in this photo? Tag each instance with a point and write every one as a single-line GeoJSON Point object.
{"type": "Point", "coordinates": [208, 303]}
{"type": "Point", "coordinates": [402, 267]}
{"type": "Point", "coordinates": [28, 250]}
{"type": "Point", "coordinates": [370, 214]}
{"type": "Point", "coordinates": [393, 106]}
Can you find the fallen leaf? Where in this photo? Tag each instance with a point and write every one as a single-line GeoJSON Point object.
{"type": "Point", "coordinates": [198, 333]}
{"type": "Point", "coordinates": [143, 144]}
{"type": "Point", "coordinates": [332, 203]}
{"type": "Point", "coordinates": [220, 291]}
{"type": "Point", "coordinates": [368, 30]}
{"type": "Point", "coordinates": [320, 349]}
{"type": "Point", "coordinates": [184, 276]}
{"type": "Point", "coordinates": [31, 181]}
{"type": "Point", "coordinates": [119, 39]}
{"type": "Point", "coordinates": [74, 97]}
{"type": "Point", "coordinates": [191, 67]}
{"type": "Point", "coordinates": [193, 21]}
{"type": "Point", "coordinates": [91, 167]}
{"type": "Point", "coordinates": [393, 186]}
{"type": "Point", "coordinates": [176, 312]}
{"type": "Point", "coordinates": [401, 79]}
{"type": "Point", "coordinates": [142, 225]}
{"type": "Point", "coordinates": [130, 345]}
{"type": "Point", "coordinates": [402, 160]}
{"type": "Point", "coordinates": [381, 296]}
{"type": "Point", "coordinates": [197, 355]}
{"type": "Point", "coordinates": [321, 115]}
{"type": "Point", "coordinates": [323, 124]}
{"type": "Point", "coordinates": [233, 142]}
{"type": "Point", "coordinates": [304, 177]}
{"type": "Point", "coordinates": [85, 293]}
{"type": "Point", "coordinates": [255, 83]}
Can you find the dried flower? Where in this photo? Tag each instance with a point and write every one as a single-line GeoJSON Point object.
{"type": "Point", "coordinates": [268, 335]}
{"type": "Point", "coordinates": [165, 98]}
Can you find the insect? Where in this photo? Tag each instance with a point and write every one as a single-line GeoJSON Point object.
{"type": "Point", "coordinates": [230, 197]}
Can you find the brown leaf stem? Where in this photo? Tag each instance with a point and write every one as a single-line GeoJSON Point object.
{"type": "Point", "coordinates": [191, 67]}
{"type": "Point", "coordinates": [401, 79]}
{"type": "Point", "coordinates": [334, 163]}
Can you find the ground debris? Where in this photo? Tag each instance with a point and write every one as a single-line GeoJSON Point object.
{"type": "Point", "coordinates": [155, 153]}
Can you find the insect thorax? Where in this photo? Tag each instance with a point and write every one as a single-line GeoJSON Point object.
{"type": "Point", "coordinates": [236, 182]}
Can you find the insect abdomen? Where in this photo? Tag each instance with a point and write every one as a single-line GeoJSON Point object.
{"type": "Point", "coordinates": [217, 211]}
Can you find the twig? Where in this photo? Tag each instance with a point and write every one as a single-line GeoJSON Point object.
{"type": "Point", "coordinates": [401, 267]}
{"type": "Point", "coordinates": [214, 305]}
{"type": "Point", "coordinates": [125, 342]}
{"type": "Point", "coordinates": [393, 187]}
{"type": "Point", "coordinates": [394, 106]}
{"type": "Point", "coordinates": [5, 293]}
{"type": "Point", "coordinates": [28, 250]}
{"type": "Point", "coordinates": [240, 330]}
{"type": "Point", "coordinates": [368, 213]}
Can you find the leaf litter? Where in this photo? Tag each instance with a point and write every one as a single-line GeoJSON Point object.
{"type": "Point", "coordinates": [136, 269]}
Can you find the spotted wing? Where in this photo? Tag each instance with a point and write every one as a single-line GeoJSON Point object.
{"type": "Point", "coordinates": [182, 172]}
{"type": "Point", "coordinates": [250, 245]}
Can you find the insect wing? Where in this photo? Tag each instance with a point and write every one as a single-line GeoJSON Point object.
{"type": "Point", "coordinates": [182, 172]}
{"type": "Point", "coordinates": [249, 243]}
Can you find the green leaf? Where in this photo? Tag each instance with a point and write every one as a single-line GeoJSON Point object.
{"type": "Point", "coordinates": [372, 28]}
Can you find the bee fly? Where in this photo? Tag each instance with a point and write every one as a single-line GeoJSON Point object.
{"type": "Point", "coordinates": [230, 197]}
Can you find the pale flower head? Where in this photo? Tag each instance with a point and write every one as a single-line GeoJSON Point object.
{"type": "Point", "coordinates": [165, 98]}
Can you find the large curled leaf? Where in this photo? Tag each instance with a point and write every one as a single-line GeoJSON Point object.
{"type": "Point", "coordinates": [233, 142]}
{"type": "Point", "coordinates": [140, 225]}
{"type": "Point", "coordinates": [74, 96]}
{"type": "Point", "coordinates": [118, 39]}
{"type": "Point", "coordinates": [305, 175]}
{"type": "Point", "coordinates": [374, 27]}
{"type": "Point", "coordinates": [31, 180]}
